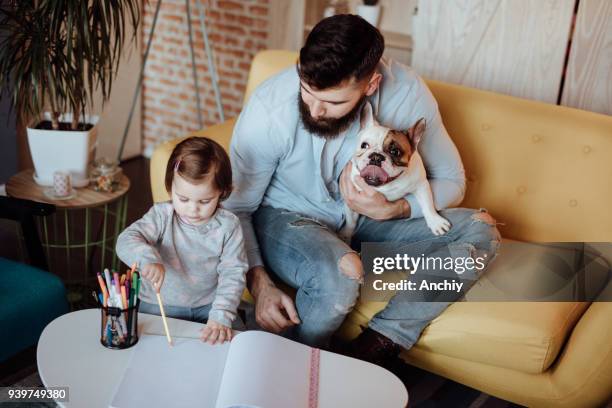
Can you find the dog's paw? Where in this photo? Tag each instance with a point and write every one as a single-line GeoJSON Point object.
{"type": "Point", "coordinates": [438, 225]}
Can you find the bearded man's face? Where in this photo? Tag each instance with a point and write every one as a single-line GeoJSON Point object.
{"type": "Point", "coordinates": [327, 113]}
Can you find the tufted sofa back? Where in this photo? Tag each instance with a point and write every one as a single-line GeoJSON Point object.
{"type": "Point", "coordinates": [544, 171]}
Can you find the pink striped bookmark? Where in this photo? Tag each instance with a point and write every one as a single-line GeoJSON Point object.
{"type": "Point", "coordinates": [313, 389]}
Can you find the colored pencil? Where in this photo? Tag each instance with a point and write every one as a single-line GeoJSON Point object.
{"type": "Point", "coordinates": [163, 314]}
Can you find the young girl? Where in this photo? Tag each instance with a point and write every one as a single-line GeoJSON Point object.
{"type": "Point", "coordinates": [191, 249]}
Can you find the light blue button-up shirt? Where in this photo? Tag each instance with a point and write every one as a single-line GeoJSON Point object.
{"type": "Point", "coordinates": [277, 163]}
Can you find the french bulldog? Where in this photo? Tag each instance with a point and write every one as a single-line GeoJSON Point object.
{"type": "Point", "coordinates": [389, 161]}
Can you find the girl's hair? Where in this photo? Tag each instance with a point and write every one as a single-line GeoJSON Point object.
{"type": "Point", "coordinates": [197, 158]}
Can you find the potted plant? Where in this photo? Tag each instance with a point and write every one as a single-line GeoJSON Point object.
{"type": "Point", "coordinates": [53, 56]}
{"type": "Point", "coordinates": [370, 11]}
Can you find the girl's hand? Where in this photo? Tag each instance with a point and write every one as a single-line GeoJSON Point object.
{"type": "Point", "coordinates": [215, 332]}
{"type": "Point", "coordinates": [154, 273]}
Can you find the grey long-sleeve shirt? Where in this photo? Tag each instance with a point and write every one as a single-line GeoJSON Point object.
{"type": "Point", "coordinates": [277, 163]}
{"type": "Point", "coordinates": [204, 263]}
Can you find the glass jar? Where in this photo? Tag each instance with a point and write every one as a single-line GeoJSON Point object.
{"type": "Point", "coordinates": [105, 175]}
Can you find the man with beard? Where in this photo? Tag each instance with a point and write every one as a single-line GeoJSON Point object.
{"type": "Point", "coordinates": [290, 155]}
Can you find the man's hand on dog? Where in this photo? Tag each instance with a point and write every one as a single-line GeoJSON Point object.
{"type": "Point", "coordinates": [368, 201]}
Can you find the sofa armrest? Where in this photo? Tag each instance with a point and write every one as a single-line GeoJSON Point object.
{"type": "Point", "coordinates": [582, 374]}
{"type": "Point", "coordinates": [221, 133]}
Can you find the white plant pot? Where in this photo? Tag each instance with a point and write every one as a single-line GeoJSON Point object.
{"type": "Point", "coordinates": [371, 14]}
{"type": "Point", "coordinates": [62, 150]}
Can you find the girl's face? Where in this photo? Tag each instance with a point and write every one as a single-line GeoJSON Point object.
{"type": "Point", "coordinates": [194, 203]}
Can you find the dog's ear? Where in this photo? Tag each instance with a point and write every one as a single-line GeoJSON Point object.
{"type": "Point", "coordinates": [416, 132]}
{"type": "Point", "coordinates": [367, 117]}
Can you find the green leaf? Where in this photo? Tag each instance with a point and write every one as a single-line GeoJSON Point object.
{"type": "Point", "coordinates": [56, 53]}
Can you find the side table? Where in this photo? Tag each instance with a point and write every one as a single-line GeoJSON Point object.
{"type": "Point", "coordinates": [92, 220]}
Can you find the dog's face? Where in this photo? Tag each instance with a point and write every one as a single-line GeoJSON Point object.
{"type": "Point", "coordinates": [383, 154]}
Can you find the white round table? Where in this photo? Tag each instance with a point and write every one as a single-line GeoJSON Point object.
{"type": "Point", "coordinates": [70, 355]}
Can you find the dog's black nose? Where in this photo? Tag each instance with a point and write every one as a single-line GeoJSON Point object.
{"type": "Point", "coordinates": [376, 159]}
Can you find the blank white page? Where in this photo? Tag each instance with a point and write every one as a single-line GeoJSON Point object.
{"type": "Point", "coordinates": [186, 375]}
{"type": "Point", "coordinates": [265, 370]}
{"type": "Point", "coordinates": [346, 382]}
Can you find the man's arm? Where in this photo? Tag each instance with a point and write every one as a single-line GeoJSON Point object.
{"type": "Point", "coordinates": [440, 156]}
{"type": "Point", "coordinates": [254, 154]}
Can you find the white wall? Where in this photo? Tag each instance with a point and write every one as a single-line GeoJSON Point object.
{"type": "Point", "coordinates": [115, 112]}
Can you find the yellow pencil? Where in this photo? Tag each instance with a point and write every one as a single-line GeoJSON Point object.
{"type": "Point", "coordinates": [163, 314]}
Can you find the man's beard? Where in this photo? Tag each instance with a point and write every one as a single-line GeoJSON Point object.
{"type": "Point", "coordinates": [327, 128]}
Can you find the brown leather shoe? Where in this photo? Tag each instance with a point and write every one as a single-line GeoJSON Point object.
{"type": "Point", "coordinates": [373, 347]}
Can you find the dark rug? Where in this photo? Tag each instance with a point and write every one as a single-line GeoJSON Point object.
{"type": "Point", "coordinates": [21, 371]}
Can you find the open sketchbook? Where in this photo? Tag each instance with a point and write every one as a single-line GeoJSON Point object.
{"type": "Point", "coordinates": [256, 369]}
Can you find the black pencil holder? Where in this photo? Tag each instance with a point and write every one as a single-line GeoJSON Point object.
{"type": "Point", "coordinates": [119, 327]}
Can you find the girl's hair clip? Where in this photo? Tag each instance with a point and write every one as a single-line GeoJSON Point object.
{"type": "Point", "coordinates": [177, 164]}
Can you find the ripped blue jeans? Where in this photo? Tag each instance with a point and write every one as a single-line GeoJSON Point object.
{"type": "Point", "coordinates": [306, 254]}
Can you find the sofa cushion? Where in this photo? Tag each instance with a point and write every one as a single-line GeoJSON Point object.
{"type": "Point", "coordinates": [524, 336]}
{"type": "Point", "coordinates": [31, 298]}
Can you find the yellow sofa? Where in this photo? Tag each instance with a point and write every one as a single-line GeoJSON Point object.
{"type": "Point", "coordinates": [544, 172]}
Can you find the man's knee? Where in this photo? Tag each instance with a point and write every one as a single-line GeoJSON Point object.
{"type": "Point", "coordinates": [350, 266]}
{"type": "Point", "coordinates": [344, 302]}
{"type": "Point", "coordinates": [472, 224]}
{"type": "Point", "coordinates": [484, 217]}
{"type": "Point", "coordinates": [481, 232]}
{"type": "Point", "coordinates": [484, 226]}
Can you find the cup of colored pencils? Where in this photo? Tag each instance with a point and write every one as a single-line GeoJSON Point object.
{"type": "Point", "coordinates": [118, 301]}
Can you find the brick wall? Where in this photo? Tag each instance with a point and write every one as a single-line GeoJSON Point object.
{"type": "Point", "coordinates": [237, 29]}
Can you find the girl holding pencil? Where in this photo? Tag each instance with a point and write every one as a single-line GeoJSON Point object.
{"type": "Point", "coordinates": [190, 249]}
